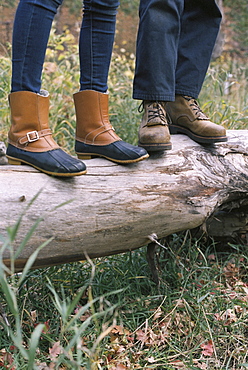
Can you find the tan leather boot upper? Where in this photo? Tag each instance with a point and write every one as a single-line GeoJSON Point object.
{"type": "Point", "coordinates": [153, 131]}
{"type": "Point", "coordinates": [93, 126]}
{"type": "Point", "coordinates": [29, 122]}
{"type": "Point", "coordinates": [185, 112]}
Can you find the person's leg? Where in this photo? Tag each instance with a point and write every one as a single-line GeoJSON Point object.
{"type": "Point", "coordinates": [156, 49]}
{"type": "Point", "coordinates": [174, 46]}
{"type": "Point", "coordinates": [32, 25]}
{"type": "Point", "coordinates": [96, 43]}
{"type": "Point", "coordinates": [95, 135]}
{"type": "Point", "coordinates": [199, 29]}
{"type": "Point", "coordinates": [175, 73]}
{"type": "Point", "coordinates": [156, 59]}
{"type": "Point", "coordinates": [30, 139]}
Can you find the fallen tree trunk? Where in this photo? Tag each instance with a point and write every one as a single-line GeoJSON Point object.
{"type": "Point", "coordinates": [116, 208]}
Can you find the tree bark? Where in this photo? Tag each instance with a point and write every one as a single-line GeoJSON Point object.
{"type": "Point", "coordinates": [115, 208]}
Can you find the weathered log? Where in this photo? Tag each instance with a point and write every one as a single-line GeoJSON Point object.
{"type": "Point", "coordinates": [115, 208]}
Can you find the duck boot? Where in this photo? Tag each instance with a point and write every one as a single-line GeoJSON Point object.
{"type": "Point", "coordinates": [185, 117]}
{"type": "Point", "coordinates": [30, 139]}
{"type": "Point", "coordinates": [154, 134]}
{"type": "Point", "coordinates": [95, 136]}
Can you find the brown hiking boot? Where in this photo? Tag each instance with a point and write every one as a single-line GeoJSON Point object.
{"type": "Point", "coordinates": [154, 134]}
{"type": "Point", "coordinates": [185, 117]}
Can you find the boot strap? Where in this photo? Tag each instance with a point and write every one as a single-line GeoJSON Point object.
{"type": "Point", "coordinates": [100, 130]}
{"type": "Point", "coordinates": [32, 136]}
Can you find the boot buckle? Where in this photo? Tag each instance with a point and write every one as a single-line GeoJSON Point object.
{"type": "Point", "coordinates": [32, 136]}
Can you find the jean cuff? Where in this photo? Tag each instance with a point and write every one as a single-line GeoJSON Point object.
{"type": "Point", "coordinates": [153, 97]}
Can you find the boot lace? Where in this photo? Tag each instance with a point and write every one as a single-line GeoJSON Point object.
{"type": "Point", "coordinates": [195, 108]}
{"type": "Point", "coordinates": [155, 111]}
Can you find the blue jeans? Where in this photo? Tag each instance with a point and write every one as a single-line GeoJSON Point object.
{"type": "Point", "coordinates": [31, 31]}
{"type": "Point", "coordinates": [174, 47]}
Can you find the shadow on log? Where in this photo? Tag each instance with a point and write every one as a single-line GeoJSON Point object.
{"type": "Point", "coordinates": [116, 208]}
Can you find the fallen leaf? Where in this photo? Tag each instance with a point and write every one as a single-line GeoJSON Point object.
{"type": "Point", "coordinates": [55, 351]}
{"type": "Point", "coordinates": [6, 360]}
{"type": "Point", "coordinates": [211, 257]}
{"type": "Point", "coordinates": [158, 313]}
{"type": "Point", "coordinates": [120, 367]}
{"type": "Point", "coordinates": [118, 329]}
{"type": "Point", "coordinates": [226, 317]}
{"type": "Point", "coordinates": [208, 348]}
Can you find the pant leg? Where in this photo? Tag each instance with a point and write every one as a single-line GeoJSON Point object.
{"type": "Point", "coordinates": [174, 61]}
{"type": "Point", "coordinates": [96, 43]}
{"type": "Point", "coordinates": [156, 49]}
{"type": "Point", "coordinates": [199, 29]}
{"type": "Point", "coordinates": [32, 25]}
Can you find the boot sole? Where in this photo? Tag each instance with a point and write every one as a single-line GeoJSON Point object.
{"type": "Point", "coordinates": [18, 162]}
{"type": "Point", "coordinates": [174, 129]}
{"type": "Point", "coordinates": [156, 147]}
{"type": "Point", "coordinates": [96, 155]}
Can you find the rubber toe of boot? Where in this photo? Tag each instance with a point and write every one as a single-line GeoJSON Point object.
{"type": "Point", "coordinates": [118, 151]}
{"type": "Point", "coordinates": [53, 162]}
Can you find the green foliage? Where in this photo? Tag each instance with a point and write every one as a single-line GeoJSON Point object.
{"type": "Point", "coordinates": [123, 109]}
{"type": "Point", "coordinates": [96, 315]}
{"type": "Point", "coordinates": [8, 3]}
{"type": "Point", "coordinates": [26, 338]}
{"type": "Point", "coordinates": [74, 6]}
{"type": "Point", "coordinates": [5, 73]}
{"type": "Point", "coordinates": [127, 6]}
{"type": "Point", "coordinates": [224, 94]}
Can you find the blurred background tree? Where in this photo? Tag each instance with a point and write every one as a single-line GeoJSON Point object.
{"type": "Point", "coordinates": [237, 20]}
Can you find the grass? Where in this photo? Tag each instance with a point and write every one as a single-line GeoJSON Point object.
{"type": "Point", "coordinates": [108, 313]}
{"type": "Point", "coordinates": [224, 94]}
